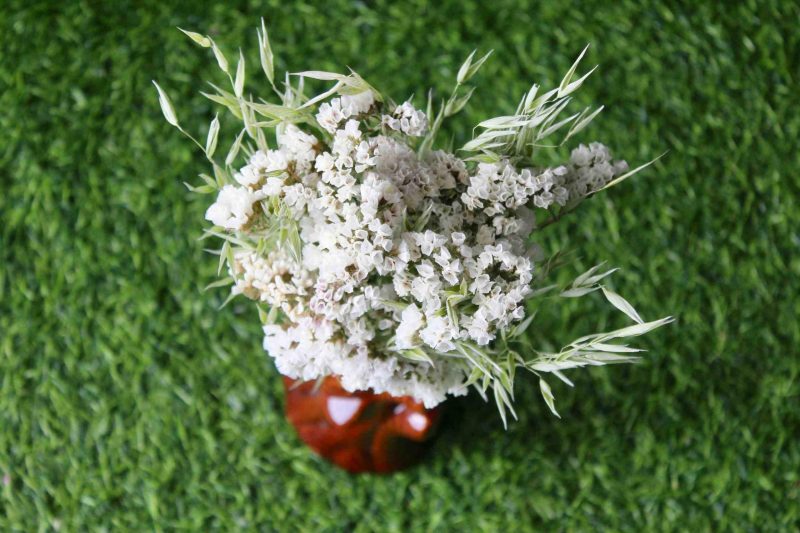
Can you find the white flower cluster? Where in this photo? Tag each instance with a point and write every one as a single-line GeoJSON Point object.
{"type": "Point", "coordinates": [400, 254]}
{"type": "Point", "coordinates": [233, 208]}
{"type": "Point", "coordinates": [274, 279]}
{"type": "Point", "coordinates": [407, 119]}
{"type": "Point", "coordinates": [590, 169]}
{"type": "Point", "coordinates": [332, 113]}
{"type": "Point", "coordinates": [388, 264]}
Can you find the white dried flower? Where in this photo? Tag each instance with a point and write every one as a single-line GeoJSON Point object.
{"type": "Point", "coordinates": [356, 104]}
{"type": "Point", "coordinates": [407, 119]}
{"type": "Point", "coordinates": [233, 208]}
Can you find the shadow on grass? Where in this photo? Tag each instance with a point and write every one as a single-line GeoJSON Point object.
{"type": "Point", "coordinates": [473, 428]}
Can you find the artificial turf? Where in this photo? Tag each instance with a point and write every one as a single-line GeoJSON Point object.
{"type": "Point", "coordinates": [127, 402]}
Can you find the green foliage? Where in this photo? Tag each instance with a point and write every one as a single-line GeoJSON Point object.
{"type": "Point", "coordinates": [126, 402]}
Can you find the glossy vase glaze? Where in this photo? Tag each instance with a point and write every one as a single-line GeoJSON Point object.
{"type": "Point", "coordinates": [360, 431]}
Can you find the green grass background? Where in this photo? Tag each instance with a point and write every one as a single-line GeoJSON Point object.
{"type": "Point", "coordinates": [128, 402]}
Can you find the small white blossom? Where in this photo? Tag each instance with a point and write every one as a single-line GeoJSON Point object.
{"type": "Point", "coordinates": [233, 208]}
{"type": "Point", "coordinates": [330, 114]}
{"type": "Point", "coordinates": [407, 119]}
{"type": "Point", "coordinates": [438, 334]}
{"type": "Point", "coordinates": [411, 321]}
{"type": "Point", "coordinates": [356, 104]}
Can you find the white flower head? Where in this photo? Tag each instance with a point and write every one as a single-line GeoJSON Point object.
{"type": "Point", "coordinates": [233, 207]}
{"type": "Point", "coordinates": [407, 119]}
{"type": "Point", "coordinates": [411, 321]}
{"type": "Point", "coordinates": [357, 104]}
{"type": "Point", "coordinates": [330, 114]}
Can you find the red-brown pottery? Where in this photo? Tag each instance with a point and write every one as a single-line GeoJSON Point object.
{"type": "Point", "coordinates": [360, 431]}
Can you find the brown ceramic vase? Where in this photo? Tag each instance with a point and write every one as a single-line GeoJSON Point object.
{"type": "Point", "coordinates": [360, 431]}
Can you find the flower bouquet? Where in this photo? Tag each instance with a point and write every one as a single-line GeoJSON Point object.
{"type": "Point", "coordinates": [389, 265]}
